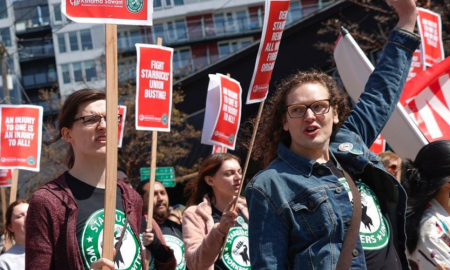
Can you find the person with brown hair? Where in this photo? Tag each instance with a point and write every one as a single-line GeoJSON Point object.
{"type": "Point", "coordinates": [16, 215]}
{"type": "Point", "coordinates": [67, 213]}
{"type": "Point", "coordinates": [392, 163]}
{"type": "Point", "coordinates": [209, 216]}
{"type": "Point", "coordinates": [315, 150]}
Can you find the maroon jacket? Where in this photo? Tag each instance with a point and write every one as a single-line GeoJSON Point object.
{"type": "Point", "coordinates": [51, 240]}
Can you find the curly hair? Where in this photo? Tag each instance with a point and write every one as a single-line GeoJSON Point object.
{"type": "Point", "coordinates": [271, 131]}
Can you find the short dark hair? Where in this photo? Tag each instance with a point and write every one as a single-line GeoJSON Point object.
{"type": "Point", "coordinates": [68, 112]}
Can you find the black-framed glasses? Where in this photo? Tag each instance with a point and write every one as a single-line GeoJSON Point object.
{"type": "Point", "coordinates": [317, 107]}
{"type": "Point", "coordinates": [94, 119]}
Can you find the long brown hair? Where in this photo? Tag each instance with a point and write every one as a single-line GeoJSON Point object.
{"type": "Point", "coordinates": [68, 112]}
{"type": "Point", "coordinates": [9, 234]}
{"type": "Point", "coordinates": [197, 188]}
{"type": "Point", "coordinates": [271, 131]}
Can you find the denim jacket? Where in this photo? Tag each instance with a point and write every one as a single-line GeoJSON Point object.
{"type": "Point", "coordinates": [299, 211]}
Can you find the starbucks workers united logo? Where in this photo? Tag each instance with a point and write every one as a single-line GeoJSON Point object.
{"type": "Point", "coordinates": [91, 244]}
{"type": "Point", "coordinates": [236, 253]}
{"type": "Point", "coordinates": [177, 245]}
{"type": "Point", "coordinates": [135, 6]}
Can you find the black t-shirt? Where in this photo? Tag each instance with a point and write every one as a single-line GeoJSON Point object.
{"type": "Point", "coordinates": [90, 201]}
{"type": "Point", "coordinates": [241, 253]}
{"type": "Point", "coordinates": [376, 233]}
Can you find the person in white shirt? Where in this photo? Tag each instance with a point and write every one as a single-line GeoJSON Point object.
{"type": "Point", "coordinates": [427, 181]}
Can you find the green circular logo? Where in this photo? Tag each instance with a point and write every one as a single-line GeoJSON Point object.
{"type": "Point", "coordinates": [231, 138]}
{"type": "Point", "coordinates": [177, 245]}
{"type": "Point", "coordinates": [135, 6]}
{"type": "Point", "coordinates": [91, 244]}
{"type": "Point", "coordinates": [164, 119]}
{"type": "Point", "coordinates": [31, 161]}
{"type": "Point", "coordinates": [236, 253]}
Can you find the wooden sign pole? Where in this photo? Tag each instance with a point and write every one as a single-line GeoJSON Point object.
{"type": "Point", "coordinates": [111, 142]}
{"type": "Point", "coordinates": [247, 160]}
{"type": "Point", "coordinates": [14, 183]}
{"type": "Point", "coordinates": [151, 193]}
{"type": "Point", "coordinates": [3, 194]}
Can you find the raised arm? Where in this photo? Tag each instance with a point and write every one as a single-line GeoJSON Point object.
{"type": "Point", "coordinates": [385, 85]}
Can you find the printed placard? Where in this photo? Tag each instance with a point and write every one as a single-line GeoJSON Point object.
{"type": "Point", "coordinates": [379, 145]}
{"type": "Point", "coordinates": [218, 149]}
{"type": "Point", "coordinates": [430, 30]}
{"type": "Point", "coordinates": [123, 111]}
{"type": "Point", "coordinates": [127, 12]}
{"type": "Point", "coordinates": [222, 112]}
{"type": "Point", "coordinates": [5, 177]}
{"type": "Point", "coordinates": [427, 101]}
{"type": "Point", "coordinates": [153, 87]}
{"type": "Point", "coordinates": [274, 23]}
{"type": "Point", "coordinates": [417, 65]}
{"type": "Point", "coordinates": [21, 137]}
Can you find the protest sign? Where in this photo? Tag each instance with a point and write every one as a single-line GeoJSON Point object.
{"type": "Point", "coordinates": [274, 23]}
{"type": "Point", "coordinates": [427, 101]}
{"type": "Point", "coordinates": [21, 136]}
{"type": "Point", "coordinates": [153, 87]}
{"type": "Point", "coordinates": [218, 149]}
{"type": "Point", "coordinates": [121, 128]}
{"type": "Point", "coordinates": [222, 112]}
{"type": "Point", "coordinates": [128, 12]}
{"type": "Point", "coordinates": [5, 177]}
{"type": "Point", "coordinates": [417, 65]}
{"type": "Point", "coordinates": [430, 30]}
{"type": "Point", "coordinates": [354, 70]}
{"type": "Point", "coordinates": [379, 145]}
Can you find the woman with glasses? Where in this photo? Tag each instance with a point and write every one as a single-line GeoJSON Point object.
{"type": "Point", "coordinates": [65, 217]}
{"type": "Point", "coordinates": [428, 214]}
{"type": "Point", "coordinates": [300, 205]}
{"type": "Point", "coordinates": [209, 217]}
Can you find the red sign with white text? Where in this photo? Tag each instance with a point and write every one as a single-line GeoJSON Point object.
{"type": "Point", "coordinates": [274, 22]}
{"type": "Point", "coordinates": [153, 87]}
{"type": "Point", "coordinates": [430, 29]}
{"type": "Point", "coordinates": [222, 112]}
{"type": "Point", "coordinates": [128, 12]}
{"type": "Point", "coordinates": [219, 149]}
{"type": "Point", "coordinates": [21, 137]}
{"type": "Point", "coordinates": [417, 65]}
{"type": "Point", "coordinates": [426, 98]}
{"type": "Point", "coordinates": [379, 145]}
{"type": "Point", "coordinates": [122, 111]}
{"type": "Point", "coordinates": [5, 177]}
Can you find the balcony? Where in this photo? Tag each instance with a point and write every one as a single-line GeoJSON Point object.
{"type": "Point", "coordinates": [30, 51]}
{"type": "Point", "coordinates": [32, 25]}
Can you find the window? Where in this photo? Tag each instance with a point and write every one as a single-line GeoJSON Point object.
{"type": "Point", "coordinates": [157, 4]}
{"type": "Point", "coordinates": [77, 73]}
{"type": "Point", "coordinates": [122, 40]}
{"type": "Point", "coordinates": [242, 21]}
{"type": "Point", "coordinates": [168, 3]}
{"type": "Point", "coordinates": [295, 12]}
{"type": "Point", "coordinates": [224, 49]}
{"type": "Point", "coordinates": [181, 29]}
{"type": "Point", "coordinates": [86, 40]}
{"type": "Point", "coordinates": [3, 9]}
{"type": "Point", "coordinates": [219, 23]}
{"type": "Point", "coordinates": [178, 2]}
{"type": "Point", "coordinates": [170, 31]}
{"type": "Point", "coordinates": [91, 72]}
{"type": "Point", "coordinates": [73, 40]}
{"type": "Point", "coordinates": [227, 48]}
{"type": "Point", "coordinates": [135, 36]}
{"type": "Point", "coordinates": [158, 31]}
{"type": "Point", "coordinates": [62, 43]}
{"type": "Point", "coordinates": [5, 35]}
{"type": "Point", "coordinates": [65, 73]}
{"type": "Point", "coordinates": [57, 14]}
{"type": "Point", "coordinates": [182, 61]}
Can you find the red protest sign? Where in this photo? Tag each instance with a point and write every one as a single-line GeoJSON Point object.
{"type": "Point", "coordinates": [122, 111]}
{"type": "Point", "coordinates": [5, 177]}
{"type": "Point", "coordinates": [222, 112]}
{"type": "Point", "coordinates": [218, 149]}
{"type": "Point", "coordinates": [21, 136]}
{"type": "Point", "coordinates": [379, 145]}
{"type": "Point", "coordinates": [129, 12]}
{"type": "Point", "coordinates": [427, 101]}
{"type": "Point", "coordinates": [274, 22]}
{"type": "Point", "coordinates": [417, 65]}
{"type": "Point", "coordinates": [430, 29]}
{"type": "Point", "coordinates": [154, 87]}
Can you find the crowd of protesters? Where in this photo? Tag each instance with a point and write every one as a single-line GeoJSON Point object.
{"type": "Point", "coordinates": [322, 201]}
